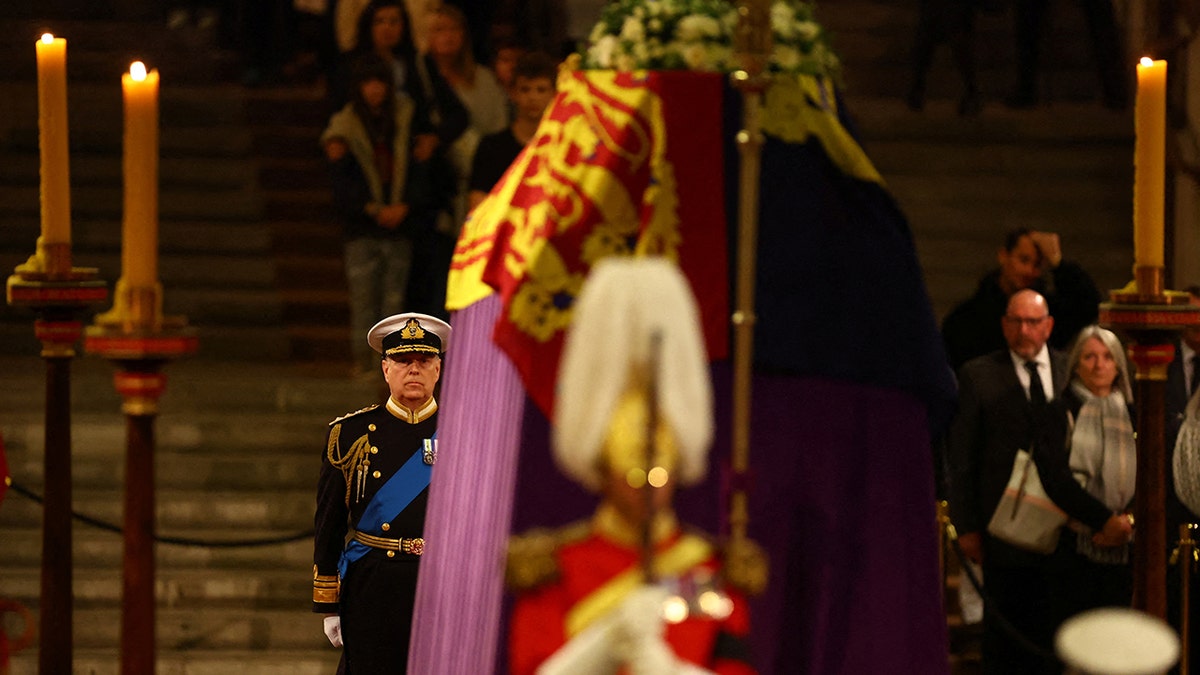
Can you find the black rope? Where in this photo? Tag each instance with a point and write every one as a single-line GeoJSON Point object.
{"type": "Point", "coordinates": [174, 541]}
{"type": "Point", "coordinates": [1001, 621]}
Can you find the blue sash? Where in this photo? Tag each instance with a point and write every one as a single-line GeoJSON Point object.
{"type": "Point", "coordinates": [391, 499]}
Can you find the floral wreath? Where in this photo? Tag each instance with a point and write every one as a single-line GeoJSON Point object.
{"type": "Point", "coordinates": [698, 35]}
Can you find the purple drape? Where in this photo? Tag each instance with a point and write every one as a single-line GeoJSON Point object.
{"type": "Point", "coordinates": [460, 587]}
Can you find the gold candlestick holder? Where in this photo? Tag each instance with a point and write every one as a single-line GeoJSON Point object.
{"type": "Point", "coordinates": [1150, 317]}
{"type": "Point", "coordinates": [139, 340]}
{"type": "Point", "coordinates": [59, 295]}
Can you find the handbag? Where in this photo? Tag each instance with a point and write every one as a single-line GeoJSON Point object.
{"type": "Point", "coordinates": [1025, 516]}
{"type": "Point", "coordinates": [1186, 462]}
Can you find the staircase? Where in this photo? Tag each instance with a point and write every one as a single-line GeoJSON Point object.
{"type": "Point", "coordinates": [249, 255]}
{"type": "Point", "coordinates": [1065, 167]}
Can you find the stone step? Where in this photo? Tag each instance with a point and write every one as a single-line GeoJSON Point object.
{"type": "Point", "coordinates": [293, 466]}
{"type": "Point", "coordinates": [176, 203]}
{"type": "Point", "coordinates": [199, 395]}
{"type": "Point", "coordinates": [1092, 161]}
{"type": "Point", "coordinates": [100, 50]}
{"type": "Point", "coordinates": [289, 509]}
{"type": "Point", "coordinates": [319, 660]}
{"type": "Point", "coordinates": [225, 173]}
{"type": "Point", "coordinates": [207, 632]}
{"type": "Point", "coordinates": [271, 587]}
{"type": "Point", "coordinates": [95, 548]}
{"type": "Point", "coordinates": [19, 232]}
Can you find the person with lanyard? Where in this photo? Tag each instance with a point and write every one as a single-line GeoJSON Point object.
{"type": "Point", "coordinates": [371, 500]}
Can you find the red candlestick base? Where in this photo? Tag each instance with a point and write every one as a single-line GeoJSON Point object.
{"type": "Point", "coordinates": [59, 295]}
{"type": "Point", "coordinates": [1149, 324]}
{"type": "Point", "coordinates": [139, 352]}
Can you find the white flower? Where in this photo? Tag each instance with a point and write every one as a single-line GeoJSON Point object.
{"type": "Point", "coordinates": [696, 56]}
{"type": "Point", "coordinates": [688, 29]}
{"type": "Point", "coordinates": [633, 29]}
{"type": "Point", "coordinates": [633, 35]}
{"type": "Point", "coordinates": [598, 32]}
{"type": "Point", "coordinates": [786, 57]}
{"type": "Point", "coordinates": [601, 51]}
{"type": "Point", "coordinates": [782, 14]}
{"type": "Point", "coordinates": [807, 30]}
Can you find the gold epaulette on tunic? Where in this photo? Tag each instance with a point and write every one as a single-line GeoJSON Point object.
{"type": "Point", "coordinates": [531, 555]}
{"type": "Point", "coordinates": [326, 588]}
{"type": "Point", "coordinates": [352, 414]}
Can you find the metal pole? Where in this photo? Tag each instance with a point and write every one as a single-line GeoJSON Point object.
{"type": "Point", "coordinates": [55, 655]}
{"type": "Point", "coordinates": [137, 619]}
{"type": "Point", "coordinates": [754, 48]}
{"type": "Point", "coordinates": [1185, 557]}
{"type": "Point", "coordinates": [58, 293]}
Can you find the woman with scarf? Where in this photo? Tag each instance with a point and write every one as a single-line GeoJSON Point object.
{"type": "Point", "coordinates": [1087, 461]}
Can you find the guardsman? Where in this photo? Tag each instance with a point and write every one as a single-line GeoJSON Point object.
{"type": "Point", "coordinates": [371, 500]}
{"type": "Point", "coordinates": [631, 589]}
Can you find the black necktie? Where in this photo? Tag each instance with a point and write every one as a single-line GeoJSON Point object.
{"type": "Point", "coordinates": [1037, 395]}
{"type": "Point", "coordinates": [1195, 373]}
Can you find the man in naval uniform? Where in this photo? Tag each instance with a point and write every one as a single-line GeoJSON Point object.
{"type": "Point", "coordinates": [371, 499]}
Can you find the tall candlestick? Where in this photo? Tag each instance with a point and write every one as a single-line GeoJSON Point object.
{"type": "Point", "coordinates": [52, 129]}
{"type": "Point", "coordinates": [1150, 118]}
{"type": "Point", "coordinates": [139, 232]}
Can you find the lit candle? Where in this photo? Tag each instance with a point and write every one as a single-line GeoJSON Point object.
{"type": "Point", "coordinates": [1150, 119]}
{"type": "Point", "coordinates": [52, 129]}
{"type": "Point", "coordinates": [139, 232]}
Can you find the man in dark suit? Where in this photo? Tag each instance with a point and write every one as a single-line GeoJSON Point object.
{"type": "Point", "coordinates": [1183, 379]}
{"type": "Point", "coordinates": [1001, 395]}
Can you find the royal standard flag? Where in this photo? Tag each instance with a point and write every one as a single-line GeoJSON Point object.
{"type": "Point", "coordinates": [622, 164]}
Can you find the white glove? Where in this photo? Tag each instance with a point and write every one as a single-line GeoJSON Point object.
{"type": "Point", "coordinates": [652, 655]}
{"type": "Point", "coordinates": [639, 633]}
{"type": "Point", "coordinates": [333, 630]}
{"type": "Point", "coordinates": [640, 614]}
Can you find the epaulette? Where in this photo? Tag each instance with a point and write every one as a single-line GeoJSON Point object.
{"type": "Point", "coordinates": [531, 555]}
{"type": "Point", "coordinates": [352, 414]}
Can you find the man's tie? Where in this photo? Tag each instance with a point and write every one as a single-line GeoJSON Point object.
{"type": "Point", "coordinates": [1037, 395]}
{"type": "Point", "coordinates": [1195, 362]}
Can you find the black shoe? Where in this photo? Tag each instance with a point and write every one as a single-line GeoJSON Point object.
{"type": "Point", "coordinates": [1021, 100]}
{"type": "Point", "coordinates": [969, 105]}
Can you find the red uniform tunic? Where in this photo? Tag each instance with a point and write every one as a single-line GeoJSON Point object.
{"type": "Point", "coordinates": [538, 626]}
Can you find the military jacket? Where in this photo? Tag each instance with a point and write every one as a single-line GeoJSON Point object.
{"type": "Point", "coordinates": [362, 452]}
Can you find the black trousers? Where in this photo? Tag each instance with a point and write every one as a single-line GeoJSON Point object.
{"type": "Point", "coordinates": [1020, 594]}
{"type": "Point", "coordinates": [378, 594]}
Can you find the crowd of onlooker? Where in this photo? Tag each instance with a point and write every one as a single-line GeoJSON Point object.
{"type": "Point", "coordinates": [430, 101]}
{"type": "Point", "coordinates": [1040, 458]}
{"type": "Point", "coordinates": [426, 121]}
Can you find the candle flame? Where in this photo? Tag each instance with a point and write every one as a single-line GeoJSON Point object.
{"type": "Point", "coordinates": [137, 70]}
{"type": "Point", "coordinates": [1147, 61]}
{"type": "Point", "coordinates": [47, 38]}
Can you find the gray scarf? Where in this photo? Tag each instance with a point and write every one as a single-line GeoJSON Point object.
{"type": "Point", "coordinates": [1104, 461]}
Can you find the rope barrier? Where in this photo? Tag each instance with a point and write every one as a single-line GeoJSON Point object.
{"type": "Point", "coordinates": [174, 541]}
{"type": "Point", "coordinates": [1001, 621]}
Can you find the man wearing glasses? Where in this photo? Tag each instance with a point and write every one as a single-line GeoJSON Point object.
{"type": "Point", "coordinates": [1028, 259]}
{"type": "Point", "coordinates": [1000, 397]}
{"type": "Point", "coordinates": [371, 500]}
